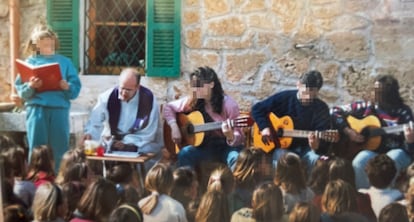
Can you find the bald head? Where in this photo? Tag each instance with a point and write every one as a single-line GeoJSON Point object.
{"type": "Point", "coordinates": [128, 83]}
{"type": "Point", "coordinates": [130, 75]}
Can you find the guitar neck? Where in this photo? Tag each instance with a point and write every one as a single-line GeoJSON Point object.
{"type": "Point", "coordinates": [388, 130]}
{"type": "Point", "coordinates": [294, 133]}
{"type": "Point", "coordinates": [207, 127]}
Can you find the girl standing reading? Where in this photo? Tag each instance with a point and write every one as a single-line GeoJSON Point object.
{"type": "Point", "coordinates": [47, 112]}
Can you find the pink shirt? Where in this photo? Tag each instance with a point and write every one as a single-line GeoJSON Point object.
{"type": "Point", "coordinates": [230, 111]}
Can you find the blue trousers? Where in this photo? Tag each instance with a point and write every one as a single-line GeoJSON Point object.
{"type": "Point", "coordinates": [48, 126]}
{"type": "Point", "coordinates": [212, 150]}
{"type": "Point", "coordinates": [401, 160]}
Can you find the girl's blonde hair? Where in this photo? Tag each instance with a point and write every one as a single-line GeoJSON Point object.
{"type": "Point", "coordinates": [39, 32]}
{"type": "Point", "coordinates": [158, 181]}
{"type": "Point", "coordinates": [47, 200]}
{"type": "Point", "coordinates": [339, 196]}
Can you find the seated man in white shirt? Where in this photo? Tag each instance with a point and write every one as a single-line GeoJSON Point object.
{"type": "Point", "coordinates": [128, 113]}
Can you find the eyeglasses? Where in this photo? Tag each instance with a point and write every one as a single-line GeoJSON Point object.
{"type": "Point", "coordinates": [126, 90]}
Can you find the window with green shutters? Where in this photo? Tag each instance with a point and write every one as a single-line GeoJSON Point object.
{"type": "Point", "coordinates": [120, 33]}
{"type": "Point", "coordinates": [63, 16]}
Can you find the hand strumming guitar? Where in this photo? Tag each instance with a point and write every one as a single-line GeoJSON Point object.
{"type": "Point", "coordinates": [266, 136]}
{"type": "Point", "coordinates": [227, 130]}
{"type": "Point", "coordinates": [354, 135]}
{"type": "Point", "coordinates": [313, 141]}
{"type": "Point", "coordinates": [175, 133]}
{"type": "Point", "coordinates": [409, 133]}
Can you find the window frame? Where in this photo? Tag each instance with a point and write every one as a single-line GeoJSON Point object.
{"type": "Point", "coordinates": [159, 62]}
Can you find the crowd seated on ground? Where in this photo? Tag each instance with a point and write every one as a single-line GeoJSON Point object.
{"type": "Point", "coordinates": [248, 193]}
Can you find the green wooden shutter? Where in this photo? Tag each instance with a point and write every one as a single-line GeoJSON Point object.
{"type": "Point", "coordinates": [63, 17]}
{"type": "Point", "coordinates": [163, 38]}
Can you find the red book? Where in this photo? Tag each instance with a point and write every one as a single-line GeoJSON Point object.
{"type": "Point", "coordinates": [49, 74]}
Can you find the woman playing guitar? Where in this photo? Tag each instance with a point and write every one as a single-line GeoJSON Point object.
{"type": "Point", "coordinates": [207, 97]}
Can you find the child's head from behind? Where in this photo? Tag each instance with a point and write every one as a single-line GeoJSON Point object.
{"type": "Point", "coordinates": [159, 179]}
{"type": "Point", "coordinates": [319, 175]}
{"type": "Point", "coordinates": [41, 159]}
{"type": "Point", "coordinates": [221, 179]}
{"type": "Point", "coordinates": [251, 168]}
{"type": "Point", "coordinates": [48, 203]}
{"type": "Point", "coordinates": [120, 173]}
{"type": "Point", "coordinates": [393, 212]}
{"type": "Point", "coordinates": [72, 192]}
{"type": "Point", "coordinates": [339, 197]}
{"type": "Point", "coordinates": [342, 169]}
{"type": "Point", "coordinates": [185, 184]}
{"type": "Point", "coordinates": [381, 171]}
{"type": "Point", "coordinates": [69, 158]}
{"type": "Point", "coordinates": [43, 41]}
{"type": "Point", "coordinates": [304, 212]}
{"type": "Point", "coordinates": [16, 156]}
{"type": "Point", "coordinates": [126, 213]}
{"type": "Point", "coordinates": [214, 206]}
{"type": "Point", "coordinates": [15, 213]}
{"type": "Point", "coordinates": [290, 174]}
{"type": "Point", "coordinates": [267, 202]}
{"type": "Point", "coordinates": [98, 200]}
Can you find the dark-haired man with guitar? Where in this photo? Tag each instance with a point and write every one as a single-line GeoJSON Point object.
{"type": "Point", "coordinates": [307, 112]}
{"type": "Point", "coordinates": [378, 126]}
{"type": "Point", "coordinates": [208, 104]}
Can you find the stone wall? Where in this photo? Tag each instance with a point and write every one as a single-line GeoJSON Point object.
{"type": "Point", "coordinates": [251, 45]}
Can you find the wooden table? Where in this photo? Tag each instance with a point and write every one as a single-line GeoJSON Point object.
{"type": "Point", "coordinates": [140, 160]}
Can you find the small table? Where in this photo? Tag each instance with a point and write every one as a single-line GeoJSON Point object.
{"type": "Point", "coordinates": [140, 160]}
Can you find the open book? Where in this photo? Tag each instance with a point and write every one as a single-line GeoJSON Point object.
{"type": "Point", "coordinates": [126, 154]}
{"type": "Point", "coordinates": [49, 74]}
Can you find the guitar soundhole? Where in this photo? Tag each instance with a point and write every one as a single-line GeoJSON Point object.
{"type": "Point", "coordinates": [190, 129]}
{"type": "Point", "coordinates": [366, 132]}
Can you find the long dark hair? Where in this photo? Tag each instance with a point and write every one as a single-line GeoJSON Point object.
{"type": "Point", "coordinates": [388, 93]}
{"type": "Point", "coordinates": [208, 75]}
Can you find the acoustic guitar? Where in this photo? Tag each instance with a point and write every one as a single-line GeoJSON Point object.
{"type": "Point", "coordinates": [193, 126]}
{"type": "Point", "coordinates": [370, 128]}
{"type": "Point", "coordinates": [284, 133]}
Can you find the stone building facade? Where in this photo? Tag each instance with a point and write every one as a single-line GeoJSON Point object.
{"type": "Point", "coordinates": [259, 47]}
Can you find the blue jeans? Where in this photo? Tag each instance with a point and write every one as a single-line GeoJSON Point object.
{"type": "Point", "coordinates": [213, 150]}
{"type": "Point", "coordinates": [401, 160]}
{"type": "Point", "coordinates": [306, 154]}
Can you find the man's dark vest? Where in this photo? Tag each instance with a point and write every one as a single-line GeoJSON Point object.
{"type": "Point", "coordinates": [144, 110]}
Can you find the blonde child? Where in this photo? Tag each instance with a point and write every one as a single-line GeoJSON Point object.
{"type": "Point", "coordinates": [159, 206]}
{"type": "Point", "coordinates": [214, 204]}
{"type": "Point", "coordinates": [47, 112]}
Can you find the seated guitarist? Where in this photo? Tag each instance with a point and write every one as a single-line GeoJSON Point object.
{"type": "Point", "coordinates": [207, 97]}
{"type": "Point", "coordinates": [389, 108]}
{"type": "Point", "coordinates": [307, 111]}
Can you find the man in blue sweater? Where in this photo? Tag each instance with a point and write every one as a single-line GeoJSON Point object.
{"type": "Point", "coordinates": [306, 110]}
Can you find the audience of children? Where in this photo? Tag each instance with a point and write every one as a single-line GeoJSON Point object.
{"type": "Point", "coordinates": [174, 192]}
